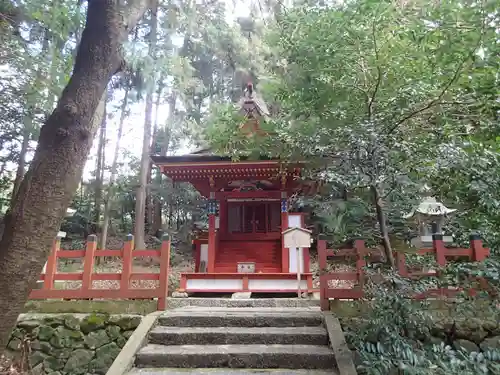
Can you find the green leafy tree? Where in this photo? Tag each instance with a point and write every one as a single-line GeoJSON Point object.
{"type": "Point", "coordinates": [364, 90]}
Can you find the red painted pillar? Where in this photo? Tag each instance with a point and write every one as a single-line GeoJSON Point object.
{"type": "Point", "coordinates": [401, 264]}
{"type": "Point", "coordinates": [212, 210]}
{"type": "Point", "coordinates": [323, 282]}
{"type": "Point", "coordinates": [285, 262]}
{"type": "Point", "coordinates": [479, 253]}
{"type": "Point", "coordinates": [439, 249]}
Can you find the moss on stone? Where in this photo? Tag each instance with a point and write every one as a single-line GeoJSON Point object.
{"type": "Point", "coordinates": [51, 364]}
{"type": "Point", "coordinates": [71, 322]}
{"type": "Point", "coordinates": [78, 362]}
{"type": "Point", "coordinates": [14, 343]}
{"type": "Point", "coordinates": [96, 339]}
{"type": "Point", "coordinates": [93, 322]}
{"type": "Point", "coordinates": [139, 307]}
{"type": "Point", "coordinates": [113, 332]}
{"type": "Point", "coordinates": [58, 344]}
{"type": "Point", "coordinates": [45, 333]}
{"type": "Point", "coordinates": [126, 322]}
{"type": "Point", "coordinates": [105, 356]}
{"type": "Point", "coordinates": [121, 341]}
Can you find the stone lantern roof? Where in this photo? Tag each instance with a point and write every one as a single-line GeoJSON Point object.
{"type": "Point", "coordinates": [431, 207]}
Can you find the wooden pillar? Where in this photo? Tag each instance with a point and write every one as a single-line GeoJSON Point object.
{"type": "Point", "coordinates": [285, 262]}
{"type": "Point", "coordinates": [222, 216]}
{"type": "Point", "coordinates": [479, 253]}
{"type": "Point", "coordinates": [212, 211]}
{"type": "Point", "coordinates": [305, 251]}
{"type": "Point", "coordinates": [164, 270]}
{"type": "Point", "coordinates": [323, 281]}
{"type": "Point", "coordinates": [439, 249]}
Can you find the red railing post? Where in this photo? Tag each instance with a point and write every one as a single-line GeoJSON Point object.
{"type": "Point", "coordinates": [127, 262]}
{"type": "Point", "coordinates": [88, 263]}
{"type": "Point", "coordinates": [439, 249]}
{"type": "Point", "coordinates": [360, 249]}
{"type": "Point", "coordinates": [478, 251]}
{"type": "Point", "coordinates": [323, 284]}
{"type": "Point", "coordinates": [164, 270]}
{"type": "Point", "coordinates": [51, 267]}
{"type": "Point", "coordinates": [401, 264]}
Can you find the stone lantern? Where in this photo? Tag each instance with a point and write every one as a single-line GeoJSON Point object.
{"type": "Point", "coordinates": [430, 216]}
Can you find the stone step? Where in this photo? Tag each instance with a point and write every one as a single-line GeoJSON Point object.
{"type": "Point", "coordinates": [174, 303]}
{"type": "Point", "coordinates": [218, 371]}
{"type": "Point", "coordinates": [238, 335]}
{"type": "Point", "coordinates": [237, 356]}
{"type": "Point", "coordinates": [242, 318]}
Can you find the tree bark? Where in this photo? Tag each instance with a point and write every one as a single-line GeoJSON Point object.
{"type": "Point", "coordinates": [140, 203]}
{"type": "Point", "coordinates": [114, 170]}
{"type": "Point", "coordinates": [377, 201]}
{"type": "Point", "coordinates": [21, 163]}
{"type": "Point", "coordinates": [64, 144]}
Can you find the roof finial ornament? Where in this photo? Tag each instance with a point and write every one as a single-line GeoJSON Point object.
{"type": "Point", "coordinates": [249, 90]}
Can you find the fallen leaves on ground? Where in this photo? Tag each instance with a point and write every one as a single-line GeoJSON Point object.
{"type": "Point", "coordinates": [9, 367]}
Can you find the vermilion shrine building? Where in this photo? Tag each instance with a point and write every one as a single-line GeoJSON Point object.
{"type": "Point", "coordinates": [247, 213]}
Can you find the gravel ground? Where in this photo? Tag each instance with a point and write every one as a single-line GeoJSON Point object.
{"type": "Point", "coordinates": [116, 267]}
{"type": "Point", "coordinates": [184, 265]}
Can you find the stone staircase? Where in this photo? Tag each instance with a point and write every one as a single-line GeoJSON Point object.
{"type": "Point", "coordinates": [240, 341]}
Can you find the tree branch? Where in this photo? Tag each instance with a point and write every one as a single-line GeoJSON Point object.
{"type": "Point", "coordinates": [379, 74]}
{"type": "Point", "coordinates": [453, 79]}
{"type": "Point", "coordinates": [134, 12]}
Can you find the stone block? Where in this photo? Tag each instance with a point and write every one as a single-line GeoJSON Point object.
{"type": "Point", "coordinates": [126, 322]}
{"type": "Point", "coordinates": [113, 332]}
{"type": "Point", "coordinates": [237, 356]}
{"type": "Point", "coordinates": [93, 322]}
{"type": "Point", "coordinates": [96, 339]}
{"type": "Point", "coordinates": [241, 295]}
{"type": "Point", "coordinates": [238, 335]}
{"type": "Point", "coordinates": [105, 356]}
{"type": "Point", "coordinates": [243, 318]}
{"type": "Point", "coordinates": [79, 361]}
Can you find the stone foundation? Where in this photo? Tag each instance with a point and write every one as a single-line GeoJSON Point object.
{"type": "Point", "coordinates": [78, 344]}
{"type": "Point", "coordinates": [470, 334]}
{"type": "Point", "coordinates": [476, 331]}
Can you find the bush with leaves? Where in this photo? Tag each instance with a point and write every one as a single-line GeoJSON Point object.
{"type": "Point", "coordinates": [395, 337]}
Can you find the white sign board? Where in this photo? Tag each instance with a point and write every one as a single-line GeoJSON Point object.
{"type": "Point", "coordinates": [296, 238]}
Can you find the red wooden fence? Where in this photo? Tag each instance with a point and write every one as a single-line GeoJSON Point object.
{"type": "Point", "coordinates": [127, 253]}
{"type": "Point", "coordinates": [361, 254]}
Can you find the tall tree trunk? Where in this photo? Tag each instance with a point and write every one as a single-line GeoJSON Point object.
{"type": "Point", "coordinates": [153, 202]}
{"type": "Point", "coordinates": [377, 201]}
{"type": "Point", "coordinates": [64, 144]}
{"type": "Point", "coordinates": [140, 204]}
{"type": "Point", "coordinates": [114, 170]}
{"type": "Point", "coordinates": [99, 173]}
{"type": "Point", "coordinates": [164, 148]}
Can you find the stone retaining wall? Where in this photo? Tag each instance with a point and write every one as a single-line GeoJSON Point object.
{"type": "Point", "coordinates": [471, 334]}
{"type": "Point", "coordinates": [72, 344]}
{"type": "Point", "coordinates": [477, 330]}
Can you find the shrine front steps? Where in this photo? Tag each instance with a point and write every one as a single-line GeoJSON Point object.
{"type": "Point", "coordinates": [244, 341]}
{"type": "Point", "coordinates": [226, 371]}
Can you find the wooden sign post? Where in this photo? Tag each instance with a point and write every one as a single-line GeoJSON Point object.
{"type": "Point", "coordinates": [297, 238]}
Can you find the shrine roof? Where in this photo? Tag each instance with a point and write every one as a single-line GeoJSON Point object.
{"type": "Point", "coordinates": [252, 107]}
{"type": "Point", "coordinates": [197, 158]}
